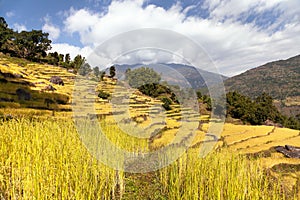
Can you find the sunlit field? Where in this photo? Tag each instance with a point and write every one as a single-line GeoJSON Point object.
{"type": "Point", "coordinates": [45, 159]}
{"type": "Point", "coordinates": [43, 156]}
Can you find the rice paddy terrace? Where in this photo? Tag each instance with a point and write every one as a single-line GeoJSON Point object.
{"type": "Point", "coordinates": [135, 112]}
{"type": "Point", "coordinates": [27, 85]}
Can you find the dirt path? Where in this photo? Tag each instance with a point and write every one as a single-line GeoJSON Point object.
{"type": "Point", "coordinates": [143, 186]}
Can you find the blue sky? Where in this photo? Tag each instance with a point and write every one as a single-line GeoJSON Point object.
{"type": "Point", "coordinates": [237, 35]}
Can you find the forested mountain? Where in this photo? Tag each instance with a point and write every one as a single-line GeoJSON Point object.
{"type": "Point", "coordinates": [280, 79]}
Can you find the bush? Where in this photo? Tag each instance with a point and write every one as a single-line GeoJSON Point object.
{"type": "Point", "coordinates": [23, 94]}
{"type": "Point", "coordinates": [103, 95]}
{"type": "Point", "coordinates": [166, 103]}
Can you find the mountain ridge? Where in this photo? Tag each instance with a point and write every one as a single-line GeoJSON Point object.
{"type": "Point", "coordinates": [280, 79]}
{"type": "Point", "coordinates": [178, 74]}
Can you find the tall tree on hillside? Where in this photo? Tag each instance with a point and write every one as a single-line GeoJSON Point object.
{"type": "Point", "coordinates": [67, 58]}
{"type": "Point", "coordinates": [112, 71]}
{"type": "Point", "coordinates": [205, 99]}
{"type": "Point", "coordinates": [32, 45]}
{"type": "Point", "coordinates": [142, 76]}
{"type": "Point", "coordinates": [53, 58]}
{"type": "Point", "coordinates": [3, 23]}
{"type": "Point", "coordinates": [6, 36]}
{"type": "Point", "coordinates": [266, 108]}
{"type": "Point", "coordinates": [85, 69]}
{"type": "Point", "coordinates": [61, 58]}
{"type": "Point", "coordinates": [96, 71]}
{"type": "Point", "coordinates": [78, 61]}
{"type": "Point", "coordinates": [102, 74]}
{"type": "Point", "coordinates": [241, 107]}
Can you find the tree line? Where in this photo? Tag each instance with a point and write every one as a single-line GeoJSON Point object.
{"type": "Point", "coordinates": [33, 46]}
{"type": "Point", "coordinates": [258, 111]}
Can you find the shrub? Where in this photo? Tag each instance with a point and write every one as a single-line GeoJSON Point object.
{"type": "Point", "coordinates": [23, 94]}
{"type": "Point", "coordinates": [103, 95]}
{"type": "Point", "coordinates": [166, 103]}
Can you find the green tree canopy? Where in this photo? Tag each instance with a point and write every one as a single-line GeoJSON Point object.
{"type": "Point", "coordinates": [204, 99]}
{"type": "Point", "coordinates": [32, 45]}
{"type": "Point", "coordinates": [85, 69]}
{"type": "Point", "coordinates": [78, 61]}
{"type": "Point", "coordinates": [256, 111]}
{"type": "Point", "coordinates": [96, 71]}
{"type": "Point", "coordinates": [142, 76]}
{"type": "Point", "coordinates": [67, 58]}
{"type": "Point", "coordinates": [6, 35]}
{"type": "Point", "coordinates": [241, 107]}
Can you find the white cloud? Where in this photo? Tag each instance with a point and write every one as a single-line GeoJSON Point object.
{"type": "Point", "coordinates": [233, 46]}
{"type": "Point", "coordinates": [231, 9]}
{"type": "Point", "coordinates": [48, 27]}
{"type": "Point", "coordinates": [53, 31]}
{"type": "Point", "coordinates": [122, 16]}
{"type": "Point", "coordinates": [64, 48]}
{"type": "Point", "coordinates": [19, 27]}
{"type": "Point", "coordinates": [80, 21]}
{"type": "Point", "coordinates": [10, 14]}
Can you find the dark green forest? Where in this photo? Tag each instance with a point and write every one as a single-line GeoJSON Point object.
{"type": "Point", "coordinates": [258, 111]}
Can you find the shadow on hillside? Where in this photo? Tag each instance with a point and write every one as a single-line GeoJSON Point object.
{"type": "Point", "coordinates": [17, 92]}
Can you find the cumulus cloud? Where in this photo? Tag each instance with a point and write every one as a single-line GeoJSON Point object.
{"type": "Point", "coordinates": [53, 31]}
{"type": "Point", "coordinates": [19, 27]}
{"type": "Point", "coordinates": [65, 48]}
{"type": "Point", "coordinates": [233, 43]}
{"type": "Point", "coordinates": [48, 27]}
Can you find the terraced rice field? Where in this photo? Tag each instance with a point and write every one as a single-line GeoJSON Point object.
{"type": "Point", "coordinates": [33, 78]}
{"type": "Point", "coordinates": [247, 140]}
{"type": "Point", "coordinates": [150, 128]}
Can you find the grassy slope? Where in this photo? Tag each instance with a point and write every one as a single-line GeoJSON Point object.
{"type": "Point", "coordinates": [280, 79]}
{"type": "Point", "coordinates": [33, 77]}
{"type": "Point", "coordinates": [250, 140]}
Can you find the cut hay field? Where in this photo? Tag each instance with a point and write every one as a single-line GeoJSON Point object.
{"type": "Point", "coordinates": [42, 155]}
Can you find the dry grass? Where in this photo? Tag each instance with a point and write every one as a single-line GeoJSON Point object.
{"type": "Point", "coordinates": [43, 158]}
{"type": "Point", "coordinates": [46, 159]}
{"type": "Point", "coordinates": [279, 136]}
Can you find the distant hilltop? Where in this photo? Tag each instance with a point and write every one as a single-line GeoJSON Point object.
{"type": "Point", "coordinates": [179, 74]}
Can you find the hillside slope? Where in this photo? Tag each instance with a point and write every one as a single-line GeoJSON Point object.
{"type": "Point", "coordinates": [25, 84]}
{"type": "Point", "coordinates": [280, 79]}
{"type": "Point", "coordinates": [139, 111]}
